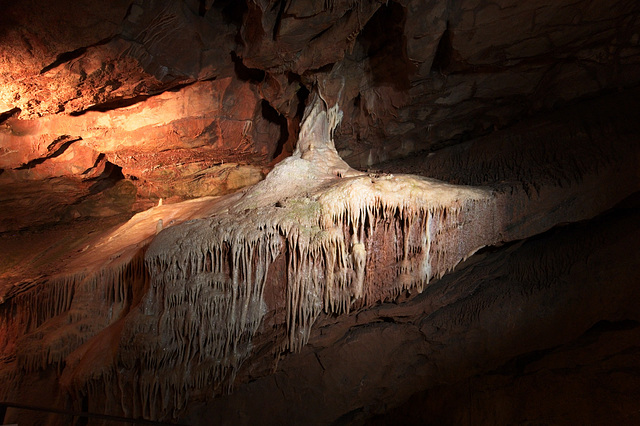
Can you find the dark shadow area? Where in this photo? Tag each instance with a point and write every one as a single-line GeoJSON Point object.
{"type": "Point", "coordinates": [357, 101]}
{"type": "Point", "coordinates": [72, 54]}
{"type": "Point", "coordinates": [108, 178]}
{"type": "Point", "coordinates": [386, 46]}
{"type": "Point", "coordinates": [350, 418]}
{"type": "Point", "coordinates": [270, 114]}
{"type": "Point", "coordinates": [286, 142]}
{"type": "Point", "coordinates": [8, 114]}
{"type": "Point", "coordinates": [64, 57]}
{"type": "Point", "coordinates": [101, 157]}
{"type": "Point", "coordinates": [444, 53]}
{"type": "Point", "coordinates": [276, 28]}
{"type": "Point", "coordinates": [113, 104]}
{"type": "Point", "coordinates": [554, 382]}
{"type": "Point", "coordinates": [606, 326]}
{"type": "Point", "coordinates": [518, 365]}
{"type": "Point", "coordinates": [202, 7]}
{"type": "Point", "coordinates": [232, 11]}
{"type": "Point", "coordinates": [320, 34]}
{"type": "Point", "coordinates": [59, 146]}
{"type": "Point", "coordinates": [323, 69]}
{"type": "Point", "coordinates": [245, 73]}
{"type": "Point", "coordinates": [302, 95]}
{"type": "Point", "coordinates": [83, 421]}
{"type": "Point", "coordinates": [126, 102]}
{"type": "Point", "coordinates": [86, 416]}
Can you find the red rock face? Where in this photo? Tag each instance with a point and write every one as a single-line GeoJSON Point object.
{"type": "Point", "coordinates": [212, 120]}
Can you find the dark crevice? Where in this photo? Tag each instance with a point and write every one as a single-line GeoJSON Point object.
{"type": "Point", "coordinates": [351, 417]}
{"type": "Point", "coordinates": [357, 100]}
{"type": "Point", "coordinates": [8, 114]}
{"type": "Point", "coordinates": [1, 171]}
{"type": "Point", "coordinates": [386, 47]}
{"type": "Point", "coordinates": [113, 104]}
{"type": "Point", "coordinates": [302, 95]}
{"type": "Point", "coordinates": [245, 73]}
{"type": "Point", "coordinates": [105, 418]}
{"type": "Point", "coordinates": [108, 178]}
{"type": "Point", "coordinates": [518, 365]}
{"type": "Point", "coordinates": [606, 326]}
{"type": "Point", "coordinates": [287, 144]}
{"type": "Point", "coordinates": [56, 148]}
{"type": "Point", "coordinates": [83, 421]}
{"type": "Point", "coordinates": [128, 13]}
{"type": "Point", "coordinates": [64, 57]}
{"type": "Point", "coordinates": [202, 7]}
{"type": "Point", "coordinates": [317, 36]}
{"type": "Point", "coordinates": [126, 102]}
{"type": "Point", "coordinates": [293, 77]}
{"type": "Point", "coordinates": [323, 69]}
{"type": "Point", "coordinates": [100, 158]}
{"type": "Point", "coordinates": [73, 54]}
{"type": "Point", "coordinates": [276, 27]}
{"type": "Point", "coordinates": [444, 53]}
{"type": "Point", "coordinates": [270, 114]}
{"type": "Point", "coordinates": [232, 11]}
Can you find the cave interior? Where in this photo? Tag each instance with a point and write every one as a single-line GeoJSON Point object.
{"type": "Point", "coordinates": [244, 212]}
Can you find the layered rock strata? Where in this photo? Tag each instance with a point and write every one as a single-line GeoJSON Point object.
{"type": "Point", "coordinates": [169, 91]}
{"type": "Point", "coordinates": [243, 285]}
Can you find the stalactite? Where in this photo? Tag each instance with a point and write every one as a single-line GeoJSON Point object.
{"type": "Point", "coordinates": [52, 319]}
{"type": "Point", "coordinates": [205, 301]}
{"type": "Point", "coordinates": [208, 276]}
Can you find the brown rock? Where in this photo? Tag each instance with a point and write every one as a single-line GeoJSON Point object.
{"type": "Point", "coordinates": [111, 110]}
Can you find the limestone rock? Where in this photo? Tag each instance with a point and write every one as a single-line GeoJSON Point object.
{"type": "Point", "coordinates": [188, 232]}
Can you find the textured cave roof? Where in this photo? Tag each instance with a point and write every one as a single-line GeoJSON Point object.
{"type": "Point", "coordinates": [105, 109]}
{"type": "Point", "coordinates": [169, 91]}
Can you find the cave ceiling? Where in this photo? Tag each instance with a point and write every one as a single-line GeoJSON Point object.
{"type": "Point", "coordinates": [171, 91]}
{"type": "Point", "coordinates": [122, 122]}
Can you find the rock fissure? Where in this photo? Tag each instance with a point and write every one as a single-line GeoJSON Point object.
{"type": "Point", "coordinates": [66, 57]}
{"type": "Point", "coordinates": [55, 149]}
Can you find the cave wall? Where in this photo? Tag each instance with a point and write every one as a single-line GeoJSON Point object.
{"type": "Point", "coordinates": [107, 110]}
{"type": "Point", "coordinates": [149, 332]}
{"type": "Point", "coordinates": [511, 337]}
{"type": "Point", "coordinates": [166, 90]}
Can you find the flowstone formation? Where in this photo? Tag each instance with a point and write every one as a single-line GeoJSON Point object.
{"type": "Point", "coordinates": [329, 221]}
{"type": "Point", "coordinates": [133, 107]}
{"type": "Point", "coordinates": [323, 236]}
{"type": "Point", "coordinates": [191, 300]}
{"type": "Point", "coordinates": [348, 239]}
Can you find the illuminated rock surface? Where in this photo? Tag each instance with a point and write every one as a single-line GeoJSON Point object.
{"type": "Point", "coordinates": [362, 152]}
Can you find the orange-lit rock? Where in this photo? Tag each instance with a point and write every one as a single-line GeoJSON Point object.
{"type": "Point", "coordinates": [203, 125]}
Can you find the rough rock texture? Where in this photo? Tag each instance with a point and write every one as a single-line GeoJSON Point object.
{"type": "Point", "coordinates": [189, 85]}
{"type": "Point", "coordinates": [323, 293]}
{"type": "Point", "coordinates": [512, 337]}
{"type": "Point", "coordinates": [216, 301]}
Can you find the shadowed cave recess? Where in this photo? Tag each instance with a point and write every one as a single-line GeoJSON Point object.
{"type": "Point", "coordinates": [319, 212]}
